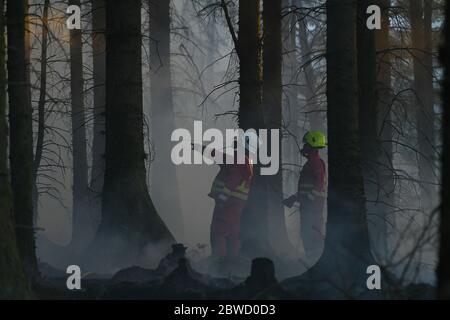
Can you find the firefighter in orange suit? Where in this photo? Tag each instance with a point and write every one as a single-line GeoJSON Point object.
{"type": "Point", "coordinates": [311, 194]}
{"type": "Point", "coordinates": [230, 191]}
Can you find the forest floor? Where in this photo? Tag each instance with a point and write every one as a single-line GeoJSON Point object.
{"type": "Point", "coordinates": [181, 281]}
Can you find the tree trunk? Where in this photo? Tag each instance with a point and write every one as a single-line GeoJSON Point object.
{"type": "Point", "coordinates": [443, 270]}
{"type": "Point", "coordinates": [315, 116]}
{"type": "Point", "coordinates": [98, 144]}
{"type": "Point", "coordinates": [372, 165]}
{"type": "Point", "coordinates": [346, 226]}
{"type": "Point", "coordinates": [213, 43]}
{"type": "Point", "coordinates": [341, 271]}
{"type": "Point", "coordinates": [249, 50]}
{"type": "Point", "coordinates": [41, 110]}
{"type": "Point", "coordinates": [13, 284]}
{"type": "Point", "coordinates": [291, 108]}
{"type": "Point", "coordinates": [272, 102]}
{"type": "Point", "coordinates": [129, 222]}
{"type": "Point", "coordinates": [81, 224]}
{"type": "Point", "coordinates": [254, 229]}
{"type": "Point", "coordinates": [21, 136]}
{"type": "Point", "coordinates": [384, 96]}
{"type": "Point", "coordinates": [423, 90]}
{"type": "Point", "coordinates": [164, 187]}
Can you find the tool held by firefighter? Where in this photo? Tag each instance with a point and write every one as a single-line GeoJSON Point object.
{"type": "Point", "coordinates": [311, 194]}
{"type": "Point", "coordinates": [230, 190]}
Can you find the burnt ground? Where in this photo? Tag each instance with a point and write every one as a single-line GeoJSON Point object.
{"type": "Point", "coordinates": [179, 280]}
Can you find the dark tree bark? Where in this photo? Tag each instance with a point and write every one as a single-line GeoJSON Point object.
{"type": "Point", "coordinates": [164, 185]}
{"type": "Point", "coordinates": [443, 270]}
{"type": "Point", "coordinates": [13, 283]}
{"type": "Point", "coordinates": [272, 102]}
{"type": "Point", "coordinates": [346, 225]}
{"type": "Point", "coordinates": [254, 230]}
{"type": "Point", "coordinates": [98, 144]}
{"type": "Point", "coordinates": [341, 270]}
{"type": "Point", "coordinates": [21, 136]}
{"type": "Point", "coordinates": [372, 166]}
{"type": "Point", "coordinates": [129, 221]}
{"type": "Point", "coordinates": [81, 224]}
{"type": "Point", "coordinates": [41, 109]}
{"type": "Point", "coordinates": [420, 18]}
{"type": "Point", "coordinates": [250, 68]}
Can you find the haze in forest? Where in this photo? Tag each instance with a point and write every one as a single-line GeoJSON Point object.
{"type": "Point", "coordinates": [110, 195]}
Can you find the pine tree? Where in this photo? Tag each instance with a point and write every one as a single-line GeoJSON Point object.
{"type": "Point", "coordinates": [420, 19]}
{"type": "Point", "coordinates": [21, 135]}
{"type": "Point", "coordinates": [13, 284]}
{"type": "Point", "coordinates": [272, 101]}
{"type": "Point", "coordinates": [443, 271]}
{"type": "Point", "coordinates": [163, 172]}
{"type": "Point", "coordinates": [81, 224]}
{"type": "Point", "coordinates": [98, 143]}
{"type": "Point", "coordinates": [254, 230]}
{"type": "Point", "coordinates": [41, 109]}
{"type": "Point", "coordinates": [341, 270]}
{"type": "Point", "coordinates": [129, 221]}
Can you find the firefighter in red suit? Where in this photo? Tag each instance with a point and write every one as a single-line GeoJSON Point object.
{"type": "Point", "coordinates": [230, 191]}
{"type": "Point", "coordinates": [311, 195]}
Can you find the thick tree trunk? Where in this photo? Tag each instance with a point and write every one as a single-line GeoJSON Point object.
{"type": "Point", "coordinates": [129, 222]}
{"type": "Point", "coordinates": [347, 225]}
{"type": "Point", "coordinates": [372, 166]}
{"type": "Point", "coordinates": [81, 224]}
{"type": "Point", "coordinates": [254, 230]}
{"type": "Point", "coordinates": [13, 284]}
{"type": "Point", "coordinates": [249, 49]}
{"type": "Point", "coordinates": [21, 136]}
{"type": "Point", "coordinates": [41, 110]}
{"type": "Point", "coordinates": [443, 271]}
{"type": "Point", "coordinates": [341, 271]}
{"type": "Point", "coordinates": [98, 143]}
{"type": "Point", "coordinates": [164, 187]}
{"type": "Point", "coordinates": [272, 102]}
{"type": "Point", "coordinates": [420, 17]}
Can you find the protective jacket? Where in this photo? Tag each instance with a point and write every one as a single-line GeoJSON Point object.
{"type": "Point", "coordinates": [312, 196]}
{"type": "Point", "coordinates": [230, 189]}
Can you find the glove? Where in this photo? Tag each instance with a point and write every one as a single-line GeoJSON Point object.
{"type": "Point", "coordinates": [289, 202]}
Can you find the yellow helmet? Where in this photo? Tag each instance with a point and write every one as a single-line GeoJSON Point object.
{"type": "Point", "coordinates": [315, 139]}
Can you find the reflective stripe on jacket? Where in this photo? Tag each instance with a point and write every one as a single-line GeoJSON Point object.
{"type": "Point", "coordinates": [233, 181]}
